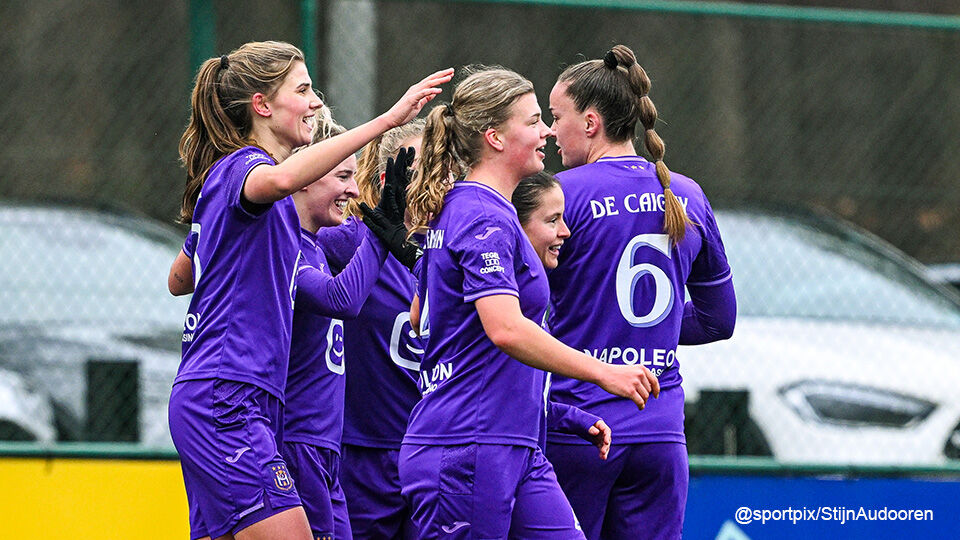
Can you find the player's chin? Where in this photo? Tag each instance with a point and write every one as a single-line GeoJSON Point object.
{"type": "Point", "coordinates": [534, 168]}
{"type": "Point", "coordinates": [336, 218]}
{"type": "Point", "coordinates": [550, 261]}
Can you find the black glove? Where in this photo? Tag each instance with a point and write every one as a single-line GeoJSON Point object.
{"type": "Point", "coordinates": [386, 220]}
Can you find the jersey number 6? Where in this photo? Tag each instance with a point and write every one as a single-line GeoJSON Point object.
{"type": "Point", "coordinates": [629, 274]}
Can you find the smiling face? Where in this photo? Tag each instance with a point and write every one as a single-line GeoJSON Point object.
{"type": "Point", "coordinates": [524, 136]}
{"type": "Point", "coordinates": [292, 109]}
{"type": "Point", "coordinates": [569, 127]}
{"type": "Point", "coordinates": [545, 227]}
{"type": "Point", "coordinates": [325, 200]}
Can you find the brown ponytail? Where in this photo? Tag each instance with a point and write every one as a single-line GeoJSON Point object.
{"type": "Point", "coordinates": [600, 84]}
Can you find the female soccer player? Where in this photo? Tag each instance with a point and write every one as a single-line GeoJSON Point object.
{"type": "Point", "coordinates": [250, 110]}
{"type": "Point", "coordinates": [639, 235]}
{"type": "Point", "coordinates": [383, 362]}
{"type": "Point", "coordinates": [313, 412]}
{"type": "Point", "coordinates": [469, 462]}
{"type": "Point", "coordinates": [538, 200]}
{"type": "Point", "coordinates": [312, 429]}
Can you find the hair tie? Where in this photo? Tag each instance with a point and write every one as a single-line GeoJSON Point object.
{"type": "Point", "coordinates": [448, 110]}
{"type": "Point", "coordinates": [224, 62]}
{"type": "Point", "coordinates": [610, 60]}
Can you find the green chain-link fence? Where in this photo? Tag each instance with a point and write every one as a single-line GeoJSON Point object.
{"type": "Point", "coordinates": [782, 114]}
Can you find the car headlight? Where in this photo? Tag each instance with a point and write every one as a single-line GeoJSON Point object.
{"type": "Point", "coordinates": [952, 448]}
{"type": "Point", "coordinates": [854, 405]}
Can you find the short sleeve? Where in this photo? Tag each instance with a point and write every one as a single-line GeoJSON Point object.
{"type": "Point", "coordinates": [190, 245]}
{"type": "Point", "coordinates": [486, 253]}
{"type": "Point", "coordinates": [236, 175]}
{"type": "Point", "coordinates": [710, 266]}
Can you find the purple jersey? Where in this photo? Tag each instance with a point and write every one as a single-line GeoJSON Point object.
{"type": "Point", "coordinates": [472, 391]}
{"type": "Point", "coordinates": [314, 407]}
{"type": "Point", "coordinates": [244, 265]}
{"type": "Point", "coordinates": [382, 352]}
{"type": "Point", "coordinates": [618, 292]}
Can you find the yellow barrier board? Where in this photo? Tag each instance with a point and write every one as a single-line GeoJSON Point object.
{"type": "Point", "coordinates": [90, 499]}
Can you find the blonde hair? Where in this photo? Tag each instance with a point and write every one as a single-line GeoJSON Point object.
{"type": "Point", "coordinates": [220, 118]}
{"type": "Point", "coordinates": [327, 127]}
{"type": "Point", "coordinates": [453, 136]}
{"type": "Point", "coordinates": [617, 87]}
{"type": "Point", "coordinates": [373, 162]}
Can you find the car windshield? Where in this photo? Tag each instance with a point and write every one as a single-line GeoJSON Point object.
{"type": "Point", "coordinates": [785, 266]}
{"type": "Point", "coordinates": [68, 266]}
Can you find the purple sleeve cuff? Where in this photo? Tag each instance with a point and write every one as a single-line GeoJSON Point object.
{"type": "Point", "coordinates": [564, 418]}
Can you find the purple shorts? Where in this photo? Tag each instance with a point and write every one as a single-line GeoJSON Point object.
{"type": "Point", "coordinates": [640, 491]}
{"type": "Point", "coordinates": [485, 491]}
{"type": "Point", "coordinates": [317, 471]}
{"type": "Point", "coordinates": [233, 473]}
{"type": "Point", "coordinates": [371, 482]}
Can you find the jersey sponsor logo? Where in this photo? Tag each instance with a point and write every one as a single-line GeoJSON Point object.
{"type": "Point", "coordinates": [491, 262]}
{"type": "Point", "coordinates": [190, 324]}
{"type": "Point", "coordinates": [486, 234]}
{"type": "Point", "coordinates": [236, 456]}
{"type": "Point", "coordinates": [334, 351]}
{"type": "Point", "coordinates": [430, 381]}
{"type": "Point", "coordinates": [455, 526]}
{"type": "Point", "coordinates": [632, 203]}
{"type": "Point", "coordinates": [281, 477]}
{"type": "Point", "coordinates": [401, 326]}
{"type": "Point", "coordinates": [255, 156]}
{"type": "Point", "coordinates": [434, 239]}
{"type": "Point", "coordinates": [656, 360]}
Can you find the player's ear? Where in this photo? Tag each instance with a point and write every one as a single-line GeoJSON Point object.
{"type": "Point", "coordinates": [591, 122]}
{"type": "Point", "coordinates": [259, 105]}
{"type": "Point", "coordinates": [491, 137]}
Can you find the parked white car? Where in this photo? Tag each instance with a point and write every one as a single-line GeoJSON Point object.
{"type": "Point", "coordinates": [844, 351]}
{"type": "Point", "coordinates": [86, 320]}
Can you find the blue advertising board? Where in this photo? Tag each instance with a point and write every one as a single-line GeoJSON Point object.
{"type": "Point", "coordinates": [749, 506]}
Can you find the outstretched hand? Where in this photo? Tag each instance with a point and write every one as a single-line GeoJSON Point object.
{"type": "Point", "coordinates": [386, 220]}
{"type": "Point", "coordinates": [416, 97]}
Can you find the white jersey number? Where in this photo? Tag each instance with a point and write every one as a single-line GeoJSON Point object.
{"type": "Point", "coordinates": [628, 274]}
{"type": "Point", "coordinates": [195, 228]}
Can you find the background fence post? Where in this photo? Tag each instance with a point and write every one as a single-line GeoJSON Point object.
{"type": "Point", "coordinates": [351, 46]}
{"type": "Point", "coordinates": [203, 33]}
{"type": "Point", "coordinates": [308, 33]}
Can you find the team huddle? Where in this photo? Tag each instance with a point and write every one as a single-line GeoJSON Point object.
{"type": "Point", "coordinates": [436, 340]}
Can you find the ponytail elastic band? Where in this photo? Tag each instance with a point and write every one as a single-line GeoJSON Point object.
{"type": "Point", "coordinates": [448, 110]}
{"type": "Point", "coordinates": [224, 62]}
{"type": "Point", "coordinates": [610, 60]}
